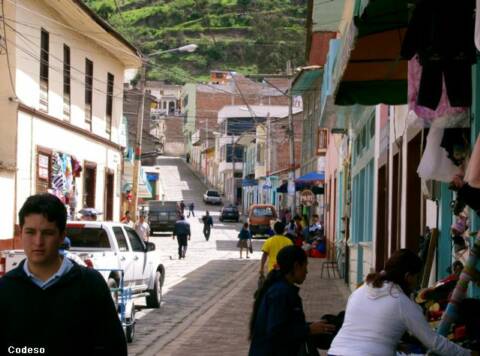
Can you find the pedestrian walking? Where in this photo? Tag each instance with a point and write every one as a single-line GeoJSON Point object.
{"type": "Point", "coordinates": [207, 225]}
{"type": "Point", "coordinates": [182, 208]}
{"type": "Point", "coordinates": [379, 312]}
{"type": "Point", "coordinates": [49, 303]}
{"type": "Point", "coordinates": [142, 228]}
{"type": "Point", "coordinates": [272, 246]}
{"type": "Point", "coordinates": [182, 232]}
{"type": "Point", "coordinates": [244, 240]}
{"type": "Point", "coordinates": [191, 209]}
{"type": "Point", "coordinates": [277, 325]}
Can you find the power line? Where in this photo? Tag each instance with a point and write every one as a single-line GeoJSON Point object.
{"type": "Point", "coordinates": [12, 84]}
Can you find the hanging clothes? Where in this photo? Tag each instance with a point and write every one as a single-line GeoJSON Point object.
{"type": "Point", "coordinates": [457, 143]}
{"type": "Point", "coordinates": [442, 35]}
{"type": "Point", "coordinates": [477, 26]}
{"type": "Point", "coordinates": [435, 164]}
{"type": "Point", "coordinates": [472, 175]}
{"type": "Point", "coordinates": [454, 115]}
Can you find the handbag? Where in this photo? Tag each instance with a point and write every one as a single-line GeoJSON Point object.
{"type": "Point", "coordinates": [250, 247]}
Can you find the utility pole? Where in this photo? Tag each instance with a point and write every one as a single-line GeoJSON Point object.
{"type": "Point", "coordinates": [291, 136]}
{"type": "Point", "coordinates": [206, 151]}
{"type": "Point", "coordinates": [138, 144]}
{"type": "Point", "coordinates": [233, 166]}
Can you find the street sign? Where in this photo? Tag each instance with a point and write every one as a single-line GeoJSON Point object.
{"type": "Point", "coordinates": [307, 197]}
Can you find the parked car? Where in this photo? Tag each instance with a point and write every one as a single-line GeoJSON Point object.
{"type": "Point", "coordinates": [260, 218]}
{"type": "Point", "coordinates": [229, 213]}
{"type": "Point", "coordinates": [212, 197]}
{"type": "Point", "coordinates": [162, 215]}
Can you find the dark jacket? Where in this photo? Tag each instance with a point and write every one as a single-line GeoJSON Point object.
{"type": "Point", "coordinates": [280, 327]}
{"type": "Point", "coordinates": [245, 234]}
{"type": "Point", "coordinates": [207, 220]}
{"type": "Point", "coordinates": [182, 228]}
{"type": "Point", "coordinates": [75, 316]}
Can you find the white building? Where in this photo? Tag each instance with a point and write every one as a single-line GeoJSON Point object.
{"type": "Point", "coordinates": [61, 107]}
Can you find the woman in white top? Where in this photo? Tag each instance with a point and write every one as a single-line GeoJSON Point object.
{"type": "Point", "coordinates": [379, 312]}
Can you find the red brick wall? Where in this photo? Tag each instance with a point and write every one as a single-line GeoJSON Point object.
{"type": "Point", "coordinates": [281, 154]}
{"type": "Point", "coordinates": [319, 47]}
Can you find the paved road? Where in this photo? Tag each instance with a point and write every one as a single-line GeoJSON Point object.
{"type": "Point", "coordinates": [208, 296]}
{"type": "Point", "coordinates": [193, 285]}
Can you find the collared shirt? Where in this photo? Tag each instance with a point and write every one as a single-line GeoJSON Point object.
{"type": "Point", "coordinates": [65, 267]}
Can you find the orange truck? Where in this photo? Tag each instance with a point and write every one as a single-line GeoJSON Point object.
{"type": "Point", "coordinates": [260, 218]}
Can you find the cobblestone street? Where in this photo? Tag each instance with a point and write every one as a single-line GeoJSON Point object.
{"type": "Point", "coordinates": [208, 296]}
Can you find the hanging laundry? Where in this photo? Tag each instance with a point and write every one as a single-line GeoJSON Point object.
{"type": "Point", "coordinates": [435, 164]}
{"type": "Point", "coordinates": [457, 143]}
{"type": "Point", "coordinates": [477, 26]}
{"type": "Point", "coordinates": [472, 174]}
{"type": "Point", "coordinates": [442, 35]}
{"type": "Point", "coordinates": [444, 115]}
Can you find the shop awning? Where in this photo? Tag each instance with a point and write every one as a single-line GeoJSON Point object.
{"type": "Point", "coordinates": [299, 186]}
{"type": "Point", "coordinates": [375, 72]}
{"type": "Point", "coordinates": [306, 79]}
{"type": "Point", "coordinates": [311, 177]}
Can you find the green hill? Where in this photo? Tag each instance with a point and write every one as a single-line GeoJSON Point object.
{"type": "Point", "coordinates": [247, 36]}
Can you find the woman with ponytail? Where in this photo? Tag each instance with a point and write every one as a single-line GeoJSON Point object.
{"type": "Point", "coordinates": [277, 325]}
{"type": "Point", "coordinates": [379, 312]}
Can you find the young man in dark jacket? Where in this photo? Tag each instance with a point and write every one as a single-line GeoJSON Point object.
{"type": "Point", "coordinates": [49, 304]}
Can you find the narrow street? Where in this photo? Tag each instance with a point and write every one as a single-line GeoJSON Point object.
{"type": "Point", "coordinates": [208, 296]}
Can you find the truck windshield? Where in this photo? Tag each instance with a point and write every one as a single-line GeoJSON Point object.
{"type": "Point", "coordinates": [262, 212]}
{"type": "Point", "coordinates": [88, 237]}
{"type": "Point", "coordinates": [213, 194]}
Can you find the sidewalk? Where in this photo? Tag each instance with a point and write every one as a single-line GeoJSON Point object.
{"type": "Point", "coordinates": [223, 330]}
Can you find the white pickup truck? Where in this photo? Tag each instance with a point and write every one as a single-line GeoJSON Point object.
{"type": "Point", "coordinates": [111, 248]}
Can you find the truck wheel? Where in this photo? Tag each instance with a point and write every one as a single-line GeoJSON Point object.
{"type": "Point", "coordinates": [130, 330]}
{"type": "Point", "coordinates": [112, 284]}
{"type": "Point", "coordinates": [154, 299]}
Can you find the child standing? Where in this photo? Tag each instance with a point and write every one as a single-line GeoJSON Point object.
{"type": "Point", "coordinates": [245, 239]}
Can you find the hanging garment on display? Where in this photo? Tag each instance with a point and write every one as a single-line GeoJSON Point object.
{"type": "Point", "coordinates": [477, 26]}
{"type": "Point", "coordinates": [435, 164]}
{"type": "Point", "coordinates": [442, 35]}
{"type": "Point", "coordinates": [450, 116]}
{"type": "Point", "coordinates": [456, 142]}
{"type": "Point", "coordinates": [472, 175]}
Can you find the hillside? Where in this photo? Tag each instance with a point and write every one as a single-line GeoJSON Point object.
{"type": "Point", "coordinates": [247, 36]}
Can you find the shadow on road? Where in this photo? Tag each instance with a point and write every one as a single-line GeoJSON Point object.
{"type": "Point", "coordinates": [197, 289]}
{"type": "Point", "coordinates": [231, 245]}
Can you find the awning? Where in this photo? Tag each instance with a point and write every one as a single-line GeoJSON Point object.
{"type": "Point", "coordinates": [311, 177]}
{"type": "Point", "coordinates": [299, 186]}
{"type": "Point", "coordinates": [306, 79]}
{"type": "Point", "coordinates": [249, 182]}
{"type": "Point", "coordinates": [375, 72]}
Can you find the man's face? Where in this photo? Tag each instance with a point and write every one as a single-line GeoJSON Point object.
{"type": "Point", "coordinates": [314, 220]}
{"type": "Point", "coordinates": [41, 239]}
{"type": "Point", "coordinates": [300, 271]}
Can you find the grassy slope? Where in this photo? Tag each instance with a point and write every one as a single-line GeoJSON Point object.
{"type": "Point", "coordinates": [248, 36]}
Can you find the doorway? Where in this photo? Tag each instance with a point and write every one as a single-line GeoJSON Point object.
{"type": "Point", "coordinates": [89, 182]}
{"type": "Point", "coordinates": [109, 189]}
{"type": "Point", "coordinates": [382, 219]}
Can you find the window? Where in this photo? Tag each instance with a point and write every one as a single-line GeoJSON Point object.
{"type": "Point", "coordinates": [261, 153]}
{"type": "Point", "coordinates": [108, 123]}
{"type": "Point", "coordinates": [88, 237]}
{"type": "Point", "coordinates": [121, 240]}
{"type": "Point", "coordinates": [44, 54]}
{"type": "Point", "coordinates": [44, 166]}
{"type": "Point", "coordinates": [258, 212]}
{"type": "Point", "coordinates": [322, 139]}
{"type": "Point", "coordinates": [66, 82]}
{"type": "Point", "coordinates": [135, 240]}
{"type": "Point", "coordinates": [88, 91]}
{"type": "Point", "coordinates": [238, 153]}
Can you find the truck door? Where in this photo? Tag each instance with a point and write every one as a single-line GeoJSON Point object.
{"type": "Point", "coordinates": [138, 253]}
{"type": "Point", "coordinates": [125, 256]}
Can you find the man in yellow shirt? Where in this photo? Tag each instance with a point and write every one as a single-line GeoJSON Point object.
{"type": "Point", "coordinates": [272, 246]}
